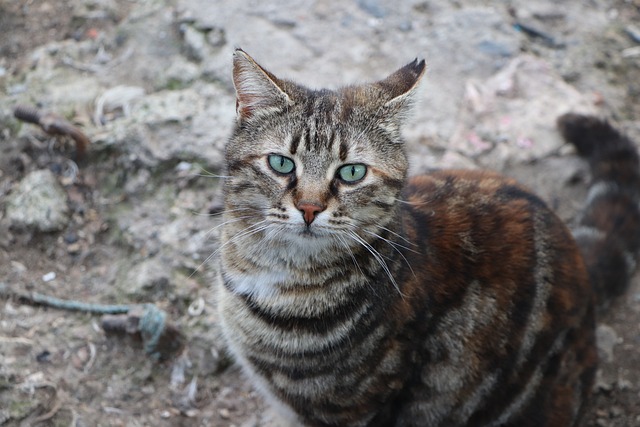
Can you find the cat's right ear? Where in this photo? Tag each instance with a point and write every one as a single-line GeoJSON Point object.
{"type": "Point", "coordinates": [400, 86]}
{"type": "Point", "coordinates": [258, 92]}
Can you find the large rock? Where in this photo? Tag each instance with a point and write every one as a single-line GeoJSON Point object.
{"type": "Point", "coordinates": [38, 203]}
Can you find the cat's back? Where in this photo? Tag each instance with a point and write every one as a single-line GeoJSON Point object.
{"type": "Point", "coordinates": [485, 216]}
{"type": "Point", "coordinates": [505, 278]}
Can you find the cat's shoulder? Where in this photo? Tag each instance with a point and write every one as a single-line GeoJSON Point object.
{"type": "Point", "coordinates": [467, 187]}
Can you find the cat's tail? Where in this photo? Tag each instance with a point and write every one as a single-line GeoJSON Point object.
{"type": "Point", "coordinates": [608, 229]}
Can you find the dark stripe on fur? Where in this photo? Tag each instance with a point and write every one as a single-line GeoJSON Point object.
{"type": "Point", "coordinates": [322, 323]}
{"type": "Point", "coordinates": [295, 141]}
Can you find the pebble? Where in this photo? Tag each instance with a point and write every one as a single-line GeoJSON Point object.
{"type": "Point", "coordinates": [74, 248]}
{"type": "Point", "coordinates": [252, 421]}
{"type": "Point", "coordinates": [495, 49]}
{"type": "Point", "coordinates": [216, 37]}
{"type": "Point", "coordinates": [634, 32]}
{"type": "Point", "coordinates": [49, 277]}
{"type": "Point", "coordinates": [39, 203]}
{"type": "Point", "coordinates": [373, 8]}
{"type": "Point", "coordinates": [194, 43]}
{"type": "Point", "coordinates": [18, 267]}
{"type": "Point", "coordinates": [148, 279]}
{"type": "Point", "coordinates": [607, 338]}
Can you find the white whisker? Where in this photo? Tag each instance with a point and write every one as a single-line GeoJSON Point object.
{"type": "Point", "coordinates": [395, 247]}
{"type": "Point", "coordinates": [398, 235]}
{"type": "Point", "coordinates": [222, 212]}
{"type": "Point", "coordinates": [344, 244]}
{"type": "Point", "coordinates": [406, 202]}
{"type": "Point", "coordinates": [377, 256]}
{"type": "Point", "coordinates": [206, 174]}
{"type": "Point", "coordinates": [231, 221]}
{"type": "Point", "coordinates": [248, 231]}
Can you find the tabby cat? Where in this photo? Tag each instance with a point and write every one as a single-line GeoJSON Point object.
{"type": "Point", "coordinates": [353, 296]}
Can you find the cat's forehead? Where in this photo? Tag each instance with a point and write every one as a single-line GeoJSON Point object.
{"type": "Point", "coordinates": [323, 106]}
{"type": "Point", "coordinates": [333, 105]}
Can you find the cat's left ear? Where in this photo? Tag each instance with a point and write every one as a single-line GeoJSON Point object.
{"type": "Point", "coordinates": [399, 87]}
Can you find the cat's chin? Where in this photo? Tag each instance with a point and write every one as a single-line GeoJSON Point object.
{"type": "Point", "coordinates": [308, 238]}
{"type": "Point", "coordinates": [307, 233]}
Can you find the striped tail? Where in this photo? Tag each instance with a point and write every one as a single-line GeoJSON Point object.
{"type": "Point", "coordinates": [608, 230]}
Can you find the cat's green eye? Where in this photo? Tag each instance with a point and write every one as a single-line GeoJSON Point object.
{"type": "Point", "coordinates": [281, 164]}
{"type": "Point", "coordinates": [352, 173]}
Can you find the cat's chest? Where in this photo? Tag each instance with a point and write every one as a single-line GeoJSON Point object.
{"type": "Point", "coordinates": [260, 283]}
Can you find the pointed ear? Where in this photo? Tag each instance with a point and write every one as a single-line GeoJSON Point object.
{"type": "Point", "coordinates": [396, 92]}
{"type": "Point", "coordinates": [258, 92]}
{"type": "Point", "coordinates": [399, 86]}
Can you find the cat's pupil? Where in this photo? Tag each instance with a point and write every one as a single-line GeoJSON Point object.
{"type": "Point", "coordinates": [352, 173]}
{"type": "Point", "coordinates": [281, 164]}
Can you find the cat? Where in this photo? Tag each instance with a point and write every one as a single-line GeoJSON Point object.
{"type": "Point", "coordinates": [354, 296]}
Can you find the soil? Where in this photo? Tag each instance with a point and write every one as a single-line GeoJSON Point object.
{"type": "Point", "coordinates": [143, 203]}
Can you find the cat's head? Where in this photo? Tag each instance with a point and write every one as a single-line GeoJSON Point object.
{"type": "Point", "coordinates": [316, 164]}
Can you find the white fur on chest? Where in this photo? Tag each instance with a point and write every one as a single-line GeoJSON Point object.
{"type": "Point", "coordinates": [261, 284]}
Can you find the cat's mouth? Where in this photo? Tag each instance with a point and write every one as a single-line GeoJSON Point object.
{"type": "Point", "coordinates": [302, 234]}
{"type": "Point", "coordinates": [314, 232]}
{"type": "Point", "coordinates": [309, 233]}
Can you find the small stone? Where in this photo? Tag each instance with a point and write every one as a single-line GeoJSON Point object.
{"type": "Point", "coordinates": [18, 267]}
{"type": "Point", "coordinates": [44, 356]}
{"type": "Point", "coordinates": [148, 279]}
{"type": "Point", "coordinates": [493, 48]}
{"type": "Point", "coordinates": [602, 384]}
{"type": "Point", "coordinates": [194, 43]}
{"type": "Point", "coordinates": [624, 384]}
{"type": "Point", "coordinates": [148, 389]}
{"type": "Point", "coordinates": [191, 413]}
{"type": "Point", "coordinates": [616, 411]}
{"type": "Point", "coordinates": [49, 277]}
{"type": "Point", "coordinates": [607, 338]}
{"type": "Point", "coordinates": [138, 182]}
{"type": "Point", "coordinates": [634, 32]}
{"type": "Point", "coordinates": [405, 26]}
{"type": "Point", "coordinates": [251, 422]}
{"type": "Point", "coordinates": [373, 7]}
{"type": "Point", "coordinates": [80, 358]}
{"type": "Point", "coordinates": [74, 248]}
{"type": "Point", "coordinates": [38, 202]}
{"type": "Point", "coordinates": [71, 237]}
{"type": "Point", "coordinates": [180, 74]}
{"type": "Point", "coordinates": [216, 37]}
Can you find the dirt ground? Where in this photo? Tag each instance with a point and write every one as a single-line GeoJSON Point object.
{"type": "Point", "coordinates": [149, 82]}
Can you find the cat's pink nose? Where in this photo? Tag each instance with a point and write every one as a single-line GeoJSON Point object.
{"type": "Point", "coordinates": [309, 211]}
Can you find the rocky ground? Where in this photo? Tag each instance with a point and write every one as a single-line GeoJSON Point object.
{"type": "Point", "coordinates": [134, 220]}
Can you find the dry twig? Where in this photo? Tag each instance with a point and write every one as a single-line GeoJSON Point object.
{"type": "Point", "coordinates": [53, 124]}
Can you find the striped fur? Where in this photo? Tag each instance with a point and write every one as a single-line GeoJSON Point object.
{"type": "Point", "coordinates": [452, 299]}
